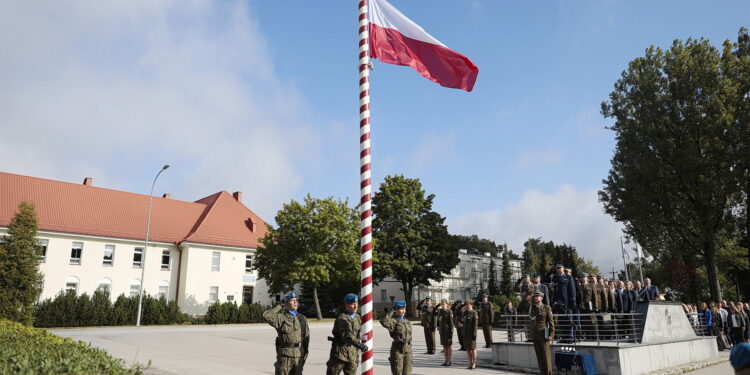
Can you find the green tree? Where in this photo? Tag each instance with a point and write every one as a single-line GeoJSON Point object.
{"type": "Point", "coordinates": [671, 183]}
{"type": "Point", "coordinates": [492, 280]}
{"type": "Point", "coordinates": [413, 244]}
{"type": "Point", "coordinates": [315, 243]}
{"type": "Point", "coordinates": [20, 280]}
{"type": "Point", "coordinates": [474, 245]}
{"type": "Point", "coordinates": [506, 277]}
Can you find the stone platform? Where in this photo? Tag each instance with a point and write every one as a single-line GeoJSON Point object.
{"type": "Point", "coordinates": [668, 341]}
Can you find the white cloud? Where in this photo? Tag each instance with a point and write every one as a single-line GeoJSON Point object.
{"type": "Point", "coordinates": [537, 157]}
{"type": "Point", "coordinates": [432, 150]}
{"type": "Point", "coordinates": [565, 215]}
{"type": "Point", "coordinates": [110, 89]}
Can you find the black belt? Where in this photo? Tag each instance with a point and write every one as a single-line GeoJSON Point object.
{"type": "Point", "coordinates": [297, 345]}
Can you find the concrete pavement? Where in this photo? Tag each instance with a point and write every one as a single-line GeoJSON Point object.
{"type": "Point", "coordinates": [248, 349]}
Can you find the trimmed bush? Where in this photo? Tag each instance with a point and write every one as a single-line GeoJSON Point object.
{"type": "Point", "coordinates": [229, 312]}
{"type": "Point", "coordinates": [29, 350]}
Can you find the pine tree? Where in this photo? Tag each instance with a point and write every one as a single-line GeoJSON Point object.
{"type": "Point", "coordinates": [492, 282]}
{"type": "Point", "coordinates": [20, 280]}
{"type": "Point", "coordinates": [506, 282]}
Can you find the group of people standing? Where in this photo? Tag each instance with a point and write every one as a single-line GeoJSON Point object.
{"type": "Point", "coordinates": [728, 321]}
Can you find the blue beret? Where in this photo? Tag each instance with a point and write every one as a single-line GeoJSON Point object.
{"type": "Point", "coordinates": [290, 296]}
{"type": "Point", "coordinates": [350, 298]}
{"type": "Point", "coordinates": [740, 357]}
{"type": "Point", "coordinates": [399, 304]}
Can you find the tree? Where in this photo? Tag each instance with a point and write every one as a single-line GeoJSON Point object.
{"type": "Point", "coordinates": [506, 278]}
{"type": "Point", "coordinates": [671, 183]}
{"type": "Point", "coordinates": [474, 245]}
{"type": "Point", "coordinates": [412, 242]}
{"type": "Point", "coordinates": [316, 243]}
{"type": "Point", "coordinates": [492, 280]}
{"type": "Point", "coordinates": [20, 279]}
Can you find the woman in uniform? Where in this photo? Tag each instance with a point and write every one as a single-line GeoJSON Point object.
{"type": "Point", "coordinates": [400, 330]}
{"type": "Point", "coordinates": [445, 326]}
{"type": "Point", "coordinates": [470, 324]}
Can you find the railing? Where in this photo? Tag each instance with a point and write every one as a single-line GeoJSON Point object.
{"type": "Point", "coordinates": [598, 328]}
{"type": "Point", "coordinates": [698, 322]}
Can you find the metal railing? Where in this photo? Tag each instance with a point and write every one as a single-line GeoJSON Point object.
{"type": "Point", "coordinates": [598, 328]}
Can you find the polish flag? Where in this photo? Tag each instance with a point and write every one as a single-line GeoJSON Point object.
{"type": "Point", "coordinates": [395, 39]}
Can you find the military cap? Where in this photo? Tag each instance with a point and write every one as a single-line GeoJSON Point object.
{"type": "Point", "coordinates": [526, 275]}
{"type": "Point", "coordinates": [599, 277]}
{"type": "Point", "coordinates": [740, 357]}
{"type": "Point", "coordinates": [538, 294]}
{"type": "Point", "coordinates": [399, 304]}
{"type": "Point", "coordinates": [538, 275]}
{"type": "Point", "coordinates": [485, 295]}
{"type": "Point", "coordinates": [428, 298]}
{"type": "Point", "coordinates": [584, 274]}
{"type": "Point", "coordinates": [469, 301]}
{"type": "Point", "coordinates": [350, 298]}
{"type": "Point", "coordinates": [559, 265]}
{"type": "Point", "coordinates": [291, 295]}
{"type": "Point", "coordinates": [443, 300]}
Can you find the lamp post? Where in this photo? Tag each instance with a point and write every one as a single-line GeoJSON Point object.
{"type": "Point", "coordinates": [145, 246]}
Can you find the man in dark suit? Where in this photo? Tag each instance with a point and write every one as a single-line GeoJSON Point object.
{"type": "Point", "coordinates": [564, 301]}
{"type": "Point", "coordinates": [650, 292]}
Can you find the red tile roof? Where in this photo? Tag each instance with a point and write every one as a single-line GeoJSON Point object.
{"type": "Point", "coordinates": [218, 219]}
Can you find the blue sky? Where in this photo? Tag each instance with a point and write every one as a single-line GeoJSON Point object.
{"type": "Point", "coordinates": [261, 96]}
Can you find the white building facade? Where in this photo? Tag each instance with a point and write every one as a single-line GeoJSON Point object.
{"type": "Point", "coordinates": [198, 252]}
{"type": "Point", "coordinates": [466, 280]}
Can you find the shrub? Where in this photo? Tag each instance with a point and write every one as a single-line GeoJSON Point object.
{"type": "Point", "coordinates": [229, 312]}
{"type": "Point", "coordinates": [29, 350]}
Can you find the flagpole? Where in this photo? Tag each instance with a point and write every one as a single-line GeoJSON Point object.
{"type": "Point", "coordinates": [365, 178]}
{"type": "Point", "coordinates": [640, 260]}
{"type": "Point", "coordinates": [624, 263]}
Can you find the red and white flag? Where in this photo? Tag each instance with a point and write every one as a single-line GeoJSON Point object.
{"type": "Point", "coordinates": [395, 39]}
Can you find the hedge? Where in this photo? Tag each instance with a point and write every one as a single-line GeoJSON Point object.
{"type": "Point", "coordinates": [229, 312]}
{"type": "Point", "coordinates": [68, 309]}
{"type": "Point", "coordinates": [29, 350]}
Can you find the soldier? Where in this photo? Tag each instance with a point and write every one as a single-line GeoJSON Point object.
{"type": "Point", "coordinates": [346, 342]}
{"type": "Point", "coordinates": [445, 326]}
{"type": "Point", "coordinates": [563, 301]}
{"type": "Point", "coordinates": [602, 289]}
{"type": "Point", "coordinates": [457, 310]}
{"type": "Point", "coordinates": [542, 332]}
{"type": "Point", "coordinates": [469, 325]}
{"type": "Point", "coordinates": [399, 329]}
{"type": "Point", "coordinates": [293, 338]}
{"type": "Point", "coordinates": [486, 318]}
{"type": "Point", "coordinates": [579, 306]}
{"type": "Point", "coordinates": [510, 319]}
{"type": "Point", "coordinates": [523, 287]}
{"type": "Point", "coordinates": [429, 323]}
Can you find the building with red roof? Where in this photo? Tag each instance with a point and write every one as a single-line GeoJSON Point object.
{"type": "Point", "coordinates": [198, 252]}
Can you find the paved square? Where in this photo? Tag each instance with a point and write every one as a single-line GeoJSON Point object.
{"type": "Point", "coordinates": [249, 349]}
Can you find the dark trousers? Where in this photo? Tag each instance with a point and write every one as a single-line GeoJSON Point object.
{"type": "Point", "coordinates": [564, 321]}
{"type": "Point", "coordinates": [429, 338]}
{"type": "Point", "coordinates": [487, 330]}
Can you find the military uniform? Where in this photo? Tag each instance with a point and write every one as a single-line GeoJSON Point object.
{"type": "Point", "coordinates": [564, 301]}
{"type": "Point", "coordinates": [510, 321]}
{"type": "Point", "coordinates": [486, 318]}
{"type": "Point", "coordinates": [469, 325]}
{"type": "Point", "coordinates": [344, 352]}
{"type": "Point", "coordinates": [401, 354]}
{"type": "Point", "coordinates": [445, 326]}
{"type": "Point", "coordinates": [542, 332]}
{"type": "Point", "coordinates": [429, 324]}
{"type": "Point", "coordinates": [457, 323]}
{"type": "Point", "coordinates": [292, 341]}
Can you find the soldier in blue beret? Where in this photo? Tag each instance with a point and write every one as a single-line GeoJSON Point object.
{"type": "Point", "coordinates": [345, 342]}
{"type": "Point", "coordinates": [399, 329]}
{"type": "Point", "coordinates": [293, 335]}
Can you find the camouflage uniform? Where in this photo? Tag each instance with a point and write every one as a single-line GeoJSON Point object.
{"type": "Point", "coordinates": [541, 319]}
{"type": "Point", "coordinates": [344, 353]}
{"type": "Point", "coordinates": [401, 354]}
{"type": "Point", "coordinates": [292, 341]}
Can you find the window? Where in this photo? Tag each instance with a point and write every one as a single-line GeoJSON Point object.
{"type": "Point", "coordinates": [71, 283]}
{"type": "Point", "coordinates": [138, 257]}
{"type": "Point", "coordinates": [165, 258]}
{"type": "Point", "coordinates": [248, 263]}
{"type": "Point", "coordinates": [135, 287]}
{"type": "Point", "coordinates": [215, 260]}
{"type": "Point", "coordinates": [383, 295]}
{"type": "Point", "coordinates": [105, 284]}
{"type": "Point", "coordinates": [43, 244]}
{"type": "Point", "coordinates": [164, 289]}
{"type": "Point", "coordinates": [247, 294]}
{"type": "Point", "coordinates": [75, 252]}
{"type": "Point", "coordinates": [109, 255]}
{"type": "Point", "coordinates": [213, 294]}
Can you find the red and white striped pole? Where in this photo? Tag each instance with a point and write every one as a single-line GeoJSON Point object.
{"type": "Point", "coordinates": [365, 178]}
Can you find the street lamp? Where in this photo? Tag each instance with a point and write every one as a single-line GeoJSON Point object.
{"type": "Point", "coordinates": [145, 246]}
